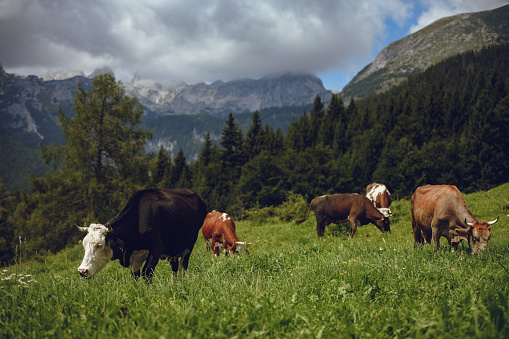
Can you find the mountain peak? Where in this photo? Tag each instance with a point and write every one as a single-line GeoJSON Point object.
{"type": "Point", "coordinates": [100, 71]}
{"type": "Point", "coordinates": [61, 75]}
{"type": "Point", "coordinates": [442, 39]}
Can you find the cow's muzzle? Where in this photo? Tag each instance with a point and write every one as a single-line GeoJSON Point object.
{"type": "Point", "coordinates": [83, 273]}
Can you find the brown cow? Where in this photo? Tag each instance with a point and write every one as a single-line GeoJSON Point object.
{"type": "Point", "coordinates": [381, 198]}
{"type": "Point", "coordinates": [219, 232]}
{"type": "Point", "coordinates": [440, 211]}
{"type": "Point", "coordinates": [340, 208]}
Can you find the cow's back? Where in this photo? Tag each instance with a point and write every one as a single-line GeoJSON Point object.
{"type": "Point", "coordinates": [182, 213]}
{"type": "Point", "coordinates": [173, 216]}
{"type": "Point", "coordinates": [210, 224]}
{"type": "Point", "coordinates": [379, 195]}
{"type": "Point", "coordinates": [440, 202]}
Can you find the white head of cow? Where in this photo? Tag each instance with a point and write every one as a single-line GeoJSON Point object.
{"type": "Point", "coordinates": [97, 252]}
{"type": "Point", "coordinates": [241, 247]}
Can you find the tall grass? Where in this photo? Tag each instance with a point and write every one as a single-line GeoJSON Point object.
{"type": "Point", "coordinates": [291, 285]}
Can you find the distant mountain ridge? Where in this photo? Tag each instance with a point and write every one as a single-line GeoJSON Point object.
{"type": "Point", "coordinates": [28, 104]}
{"type": "Point", "coordinates": [442, 39]}
{"type": "Point", "coordinates": [236, 96]}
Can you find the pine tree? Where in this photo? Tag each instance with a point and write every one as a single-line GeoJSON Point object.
{"type": "Point", "coordinates": [294, 137]}
{"type": "Point", "coordinates": [335, 112]}
{"type": "Point", "coordinates": [180, 170]}
{"type": "Point", "coordinates": [232, 156]}
{"type": "Point", "coordinates": [206, 152]}
{"type": "Point", "coordinates": [161, 176]}
{"type": "Point", "coordinates": [254, 142]}
{"type": "Point", "coordinates": [102, 140]}
{"type": "Point", "coordinates": [316, 121]}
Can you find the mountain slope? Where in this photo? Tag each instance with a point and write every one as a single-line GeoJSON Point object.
{"type": "Point", "coordinates": [442, 39]}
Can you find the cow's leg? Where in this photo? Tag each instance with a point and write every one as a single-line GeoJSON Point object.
{"type": "Point", "coordinates": [154, 254]}
{"type": "Point", "coordinates": [217, 241]}
{"type": "Point", "coordinates": [150, 264]}
{"type": "Point", "coordinates": [435, 234]}
{"type": "Point", "coordinates": [184, 262]}
{"type": "Point", "coordinates": [136, 261]}
{"type": "Point", "coordinates": [353, 222]}
{"type": "Point", "coordinates": [214, 246]}
{"type": "Point", "coordinates": [136, 275]}
{"type": "Point", "coordinates": [418, 238]}
{"type": "Point", "coordinates": [174, 262]}
{"type": "Point", "coordinates": [321, 223]}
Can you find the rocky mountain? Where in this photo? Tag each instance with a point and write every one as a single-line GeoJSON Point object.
{"type": "Point", "coordinates": [442, 39]}
{"type": "Point", "coordinates": [29, 105]}
{"type": "Point", "coordinates": [236, 96]}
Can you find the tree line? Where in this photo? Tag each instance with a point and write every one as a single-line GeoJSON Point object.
{"type": "Point", "coordinates": [447, 125]}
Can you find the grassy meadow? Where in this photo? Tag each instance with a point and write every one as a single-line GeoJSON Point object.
{"type": "Point", "coordinates": [292, 285]}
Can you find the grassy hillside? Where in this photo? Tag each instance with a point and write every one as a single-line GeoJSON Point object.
{"type": "Point", "coordinates": [291, 285]}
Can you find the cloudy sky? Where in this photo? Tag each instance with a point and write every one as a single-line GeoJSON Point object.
{"type": "Point", "coordinates": [170, 41]}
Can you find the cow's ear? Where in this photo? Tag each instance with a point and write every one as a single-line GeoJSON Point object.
{"type": "Point", "coordinates": [463, 231]}
{"type": "Point", "coordinates": [116, 244]}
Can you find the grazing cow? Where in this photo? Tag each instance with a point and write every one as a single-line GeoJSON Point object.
{"type": "Point", "coordinates": [339, 208]}
{"type": "Point", "coordinates": [440, 211]}
{"type": "Point", "coordinates": [154, 224]}
{"type": "Point", "coordinates": [381, 198]}
{"type": "Point", "coordinates": [219, 232]}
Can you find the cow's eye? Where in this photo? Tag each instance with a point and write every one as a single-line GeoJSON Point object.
{"type": "Point", "coordinates": [99, 246]}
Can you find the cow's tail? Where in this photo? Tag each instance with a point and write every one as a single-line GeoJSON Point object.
{"type": "Point", "coordinates": [306, 218]}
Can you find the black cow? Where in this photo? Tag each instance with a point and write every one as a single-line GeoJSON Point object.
{"type": "Point", "coordinates": [154, 224]}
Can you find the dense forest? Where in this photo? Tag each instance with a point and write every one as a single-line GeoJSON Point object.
{"type": "Point", "coordinates": [449, 124]}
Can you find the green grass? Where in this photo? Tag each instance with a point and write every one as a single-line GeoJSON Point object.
{"type": "Point", "coordinates": [291, 286]}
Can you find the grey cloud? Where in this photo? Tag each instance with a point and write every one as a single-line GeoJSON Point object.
{"type": "Point", "coordinates": [193, 40]}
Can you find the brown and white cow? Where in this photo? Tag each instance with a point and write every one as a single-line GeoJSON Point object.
{"type": "Point", "coordinates": [381, 198]}
{"type": "Point", "coordinates": [340, 208]}
{"type": "Point", "coordinates": [440, 211]}
{"type": "Point", "coordinates": [219, 232]}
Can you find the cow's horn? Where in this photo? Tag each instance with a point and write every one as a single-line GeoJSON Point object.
{"type": "Point", "coordinates": [468, 223]}
{"type": "Point", "coordinates": [492, 222]}
{"type": "Point", "coordinates": [82, 229]}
